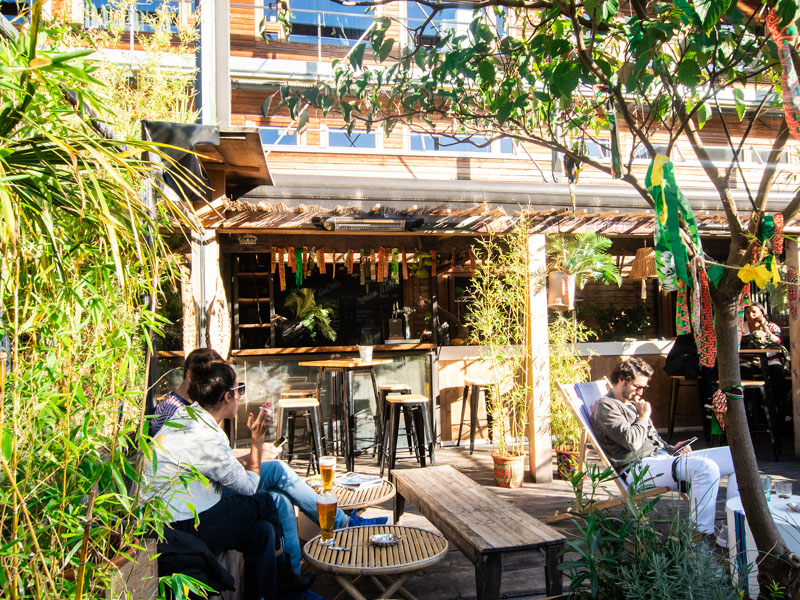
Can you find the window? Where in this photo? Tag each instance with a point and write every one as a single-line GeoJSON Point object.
{"type": "Point", "coordinates": [506, 146]}
{"type": "Point", "coordinates": [98, 14]}
{"type": "Point", "coordinates": [601, 150]}
{"type": "Point", "coordinates": [434, 143]}
{"type": "Point", "coordinates": [641, 152]}
{"type": "Point", "coordinates": [457, 19]}
{"type": "Point", "coordinates": [15, 11]}
{"type": "Point", "coordinates": [339, 138]}
{"type": "Point", "coordinates": [327, 21]}
{"type": "Point", "coordinates": [271, 135]}
{"type": "Point", "coordinates": [761, 155]}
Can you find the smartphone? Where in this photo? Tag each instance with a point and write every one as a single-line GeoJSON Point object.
{"type": "Point", "coordinates": [280, 441]}
{"type": "Point", "coordinates": [688, 442]}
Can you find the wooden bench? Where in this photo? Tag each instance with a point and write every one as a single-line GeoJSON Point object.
{"type": "Point", "coordinates": [484, 527]}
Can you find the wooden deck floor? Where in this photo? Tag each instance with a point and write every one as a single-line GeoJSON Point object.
{"type": "Point", "coordinates": [453, 578]}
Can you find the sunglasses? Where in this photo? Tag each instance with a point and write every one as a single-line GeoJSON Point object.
{"type": "Point", "coordinates": [638, 388]}
{"type": "Point", "coordinates": [241, 388]}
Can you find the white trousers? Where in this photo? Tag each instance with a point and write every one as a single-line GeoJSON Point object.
{"type": "Point", "coordinates": [702, 470]}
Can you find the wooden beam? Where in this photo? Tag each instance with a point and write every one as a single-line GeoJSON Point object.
{"type": "Point", "coordinates": [537, 367]}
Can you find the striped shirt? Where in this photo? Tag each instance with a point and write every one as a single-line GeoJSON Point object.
{"type": "Point", "coordinates": [165, 409]}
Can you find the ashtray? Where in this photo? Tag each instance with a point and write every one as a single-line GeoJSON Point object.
{"type": "Point", "coordinates": [384, 539]}
{"type": "Point", "coordinates": [793, 506]}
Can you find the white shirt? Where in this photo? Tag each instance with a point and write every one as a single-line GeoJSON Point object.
{"type": "Point", "coordinates": [192, 440]}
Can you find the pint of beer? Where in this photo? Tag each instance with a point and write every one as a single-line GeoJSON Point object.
{"type": "Point", "coordinates": [327, 469]}
{"type": "Point", "coordinates": [326, 514]}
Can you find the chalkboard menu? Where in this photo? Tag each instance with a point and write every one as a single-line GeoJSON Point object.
{"type": "Point", "coordinates": [360, 311]}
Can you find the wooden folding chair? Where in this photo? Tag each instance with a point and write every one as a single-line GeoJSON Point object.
{"type": "Point", "coordinates": [581, 398]}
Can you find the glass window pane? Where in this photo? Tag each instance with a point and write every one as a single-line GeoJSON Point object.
{"type": "Point", "coordinates": [270, 135]}
{"type": "Point", "coordinates": [334, 23]}
{"type": "Point", "coordinates": [357, 139]}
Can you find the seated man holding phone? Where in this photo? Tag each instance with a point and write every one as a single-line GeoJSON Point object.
{"type": "Point", "coordinates": [621, 421]}
{"type": "Point", "coordinates": [276, 477]}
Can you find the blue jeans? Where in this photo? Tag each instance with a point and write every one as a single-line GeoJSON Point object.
{"type": "Point", "coordinates": [242, 523]}
{"type": "Point", "coordinates": [287, 489]}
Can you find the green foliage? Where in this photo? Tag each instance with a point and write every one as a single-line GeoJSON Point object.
{"type": "Point", "coordinates": [181, 587]}
{"type": "Point", "coordinates": [497, 322]}
{"type": "Point", "coordinates": [78, 253]}
{"type": "Point", "coordinates": [566, 366]}
{"type": "Point", "coordinates": [632, 555]}
{"type": "Point", "coordinates": [618, 323]}
{"type": "Point", "coordinates": [313, 316]}
{"type": "Point", "coordinates": [584, 255]}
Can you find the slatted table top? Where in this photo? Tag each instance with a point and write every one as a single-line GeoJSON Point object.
{"type": "Point", "coordinates": [417, 548]}
{"type": "Point", "coordinates": [349, 499]}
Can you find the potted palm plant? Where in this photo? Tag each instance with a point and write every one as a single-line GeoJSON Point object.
{"type": "Point", "coordinates": [310, 318]}
{"type": "Point", "coordinates": [497, 316]}
{"type": "Point", "coordinates": [574, 261]}
{"type": "Point", "coordinates": [566, 366]}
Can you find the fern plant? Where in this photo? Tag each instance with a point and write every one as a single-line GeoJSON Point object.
{"type": "Point", "coordinates": [315, 317]}
{"type": "Point", "coordinates": [585, 256]}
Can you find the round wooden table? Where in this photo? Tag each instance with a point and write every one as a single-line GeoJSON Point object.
{"type": "Point", "coordinates": [357, 557]}
{"type": "Point", "coordinates": [357, 499]}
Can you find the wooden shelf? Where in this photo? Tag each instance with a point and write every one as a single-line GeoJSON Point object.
{"type": "Point", "coordinates": [253, 325]}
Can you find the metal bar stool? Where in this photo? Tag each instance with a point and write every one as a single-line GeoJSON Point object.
{"type": "Point", "coordinates": [417, 404]}
{"type": "Point", "coordinates": [676, 381]}
{"type": "Point", "coordinates": [380, 422]}
{"type": "Point", "coordinates": [307, 404]}
{"type": "Point", "coordinates": [473, 391]}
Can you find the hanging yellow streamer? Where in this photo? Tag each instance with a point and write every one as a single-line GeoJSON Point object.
{"type": "Point", "coordinates": [760, 274]}
{"type": "Point", "coordinates": [657, 178]}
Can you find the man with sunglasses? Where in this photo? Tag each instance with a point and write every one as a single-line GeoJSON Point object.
{"type": "Point", "coordinates": [621, 422]}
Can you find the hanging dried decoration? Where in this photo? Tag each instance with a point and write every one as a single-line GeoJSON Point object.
{"type": "Point", "coordinates": [349, 262]}
{"type": "Point", "coordinates": [395, 266]}
{"type": "Point", "coordinates": [372, 264]}
{"type": "Point", "coordinates": [777, 237]}
{"type": "Point", "coordinates": [321, 261]}
{"type": "Point", "coordinates": [298, 264]}
{"type": "Point", "coordinates": [405, 264]}
{"type": "Point", "coordinates": [433, 262]}
{"type": "Point", "coordinates": [292, 263]}
{"type": "Point", "coordinates": [380, 264]}
{"type": "Point", "coordinates": [791, 290]}
{"type": "Point", "coordinates": [362, 268]}
{"type": "Point", "coordinates": [273, 260]}
{"type": "Point", "coordinates": [306, 261]}
{"type": "Point", "coordinates": [682, 322]}
{"type": "Point", "coordinates": [282, 270]}
{"type": "Point", "coordinates": [386, 258]}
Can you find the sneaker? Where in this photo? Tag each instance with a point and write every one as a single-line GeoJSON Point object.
{"type": "Point", "coordinates": [357, 521]}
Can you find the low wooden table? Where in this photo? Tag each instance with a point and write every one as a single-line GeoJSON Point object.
{"type": "Point", "coordinates": [416, 550]}
{"type": "Point", "coordinates": [479, 523]}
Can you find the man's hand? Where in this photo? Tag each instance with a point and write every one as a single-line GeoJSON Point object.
{"type": "Point", "coordinates": [684, 447]}
{"type": "Point", "coordinates": [684, 450]}
{"type": "Point", "coordinates": [643, 408]}
{"type": "Point", "coordinates": [258, 426]}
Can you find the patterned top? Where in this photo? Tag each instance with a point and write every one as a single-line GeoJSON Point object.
{"type": "Point", "coordinates": [165, 409]}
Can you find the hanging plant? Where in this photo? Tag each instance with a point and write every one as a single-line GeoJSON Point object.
{"type": "Point", "coordinates": [422, 260]}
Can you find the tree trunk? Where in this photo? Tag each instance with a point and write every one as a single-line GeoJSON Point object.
{"type": "Point", "coordinates": [776, 563]}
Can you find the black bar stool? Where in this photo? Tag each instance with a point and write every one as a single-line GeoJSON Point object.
{"type": "Point", "coordinates": [417, 404]}
{"type": "Point", "coordinates": [380, 421]}
{"type": "Point", "coordinates": [307, 405]}
{"type": "Point", "coordinates": [473, 392]}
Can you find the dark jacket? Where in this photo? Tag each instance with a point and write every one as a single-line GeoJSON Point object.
{"type": "Point", "coordinates": [185, 553]}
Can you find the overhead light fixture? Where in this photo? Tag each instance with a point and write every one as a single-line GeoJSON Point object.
{"type": "Point", "coordinates": [643, 268]}
{"type": "Point", "coordinates": [361, 224]}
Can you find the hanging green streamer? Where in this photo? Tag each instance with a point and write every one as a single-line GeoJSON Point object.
{"type": "Point", "coordinates": [298, 272]}
{"type": "Point", "coordinates": [616, 160]}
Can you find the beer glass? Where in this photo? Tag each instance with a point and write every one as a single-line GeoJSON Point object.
{"type": "Point", "coordinates": [327, 469]}
{"type": "Point", "coordinates": [326, 514]}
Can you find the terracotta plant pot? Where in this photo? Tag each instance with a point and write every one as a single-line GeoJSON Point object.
{"type": "Point", "coordinates": [509, 471]}
{"type": "Point", "coordinates": [568, 462]}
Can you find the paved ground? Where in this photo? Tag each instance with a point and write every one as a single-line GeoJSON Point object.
{"type": "Point", "coordinates": [453, 578]}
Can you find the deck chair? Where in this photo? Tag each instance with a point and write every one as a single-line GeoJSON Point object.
{"type": "Point", "coordinates": [581, 398]}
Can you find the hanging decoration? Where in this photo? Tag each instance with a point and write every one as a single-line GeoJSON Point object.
{"type": "Point", "coordinates": [273, 260]}
{"type": "Point", "coordinates": [298, 267]}
{"type": "Point", "coordinates": [671, 207]}
{"type": "Point", "coordinates": [744, 300]}
{"type": "Point", "coordinates": [616, 161]}
{"type": "Point", "coordinates": [707, 344]}
{"type": "Point", "coordinates": [380, 264]}
{"type": "Point", "coordinates": [362, 268]}
{"type": "Point", "coordinates": [307, 257]}
{"type": "Point", "coordinates": [572, 170]}
{"type": "Point", "coordinates": [682, 322]}
{"type": "Point", "coordinates": [791, 290]}
{"type": "Point", "coordinates": [395, 266]}
{"type": "Point", "coordinates": [761, 273]}
{"type": "Point", "coordinates": [372, 265]}
{"type": "Point", "coordinates": [386, 258]}
{"type": "Point", "coordinates": [333, 265]}
{"type": "Point", "coordinates": [790, 86]}
{"type": "Point", "coordinates": [777, 237]}
{"type": "Point", "coordinates": [405, 264]}
{"type": "Point", "coordinates": [321, 261]}
{"type": "Point", "coordinates": [349, 262]}
{"type": "Point", "coordinates": [433, 262]}
{"type": "Point", "coordinates": [696, 303]}
{"type": "Point", "coordinates": [643, 268]}
{"type": "Point", "coordinates": [292, 263]}
{"type": "Point", "coordinates": [282, 270]}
